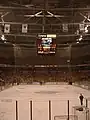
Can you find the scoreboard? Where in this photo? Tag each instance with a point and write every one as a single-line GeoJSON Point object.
{"type": "Point", "coordinates": [46, 44]}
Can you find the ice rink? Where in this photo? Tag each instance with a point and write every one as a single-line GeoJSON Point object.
{"type": "Point", "coordinates": [40, 95]}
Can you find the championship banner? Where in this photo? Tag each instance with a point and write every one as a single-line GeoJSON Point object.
{"type": "Point", "coordinates": [24, 28]}
{"type": "Point", "coordinates": [65, 27]}
{"type": "Point", "coordinates": [81, 27]}
{"type": "Point", "coordinates": [7, 28]}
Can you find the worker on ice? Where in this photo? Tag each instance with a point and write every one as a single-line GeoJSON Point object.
{"type": "Point", "coordinates": [81, 98]}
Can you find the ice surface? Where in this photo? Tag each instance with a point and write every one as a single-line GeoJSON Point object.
{"type": "Point", "coordinates": [40, 95]}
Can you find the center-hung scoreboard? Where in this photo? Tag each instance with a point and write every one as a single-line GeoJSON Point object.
{"type": "Point", "coordinates": [46, 44]}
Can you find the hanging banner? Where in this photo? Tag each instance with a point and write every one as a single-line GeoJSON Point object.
{"type": "Point", "coordinates": [65, 27]}
{"type": "Point", "coordinates": [24, 28]}
{"type": "Point", "coordinates": [81, 27]}
{"type": "Point", "coordinates": [7, 28]}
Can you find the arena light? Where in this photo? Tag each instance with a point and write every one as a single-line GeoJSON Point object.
{"type": "Point", "coordinates": [3, 38]}
{"type": "Point", "coordinates": [80, 38]}
{"type": "Point", "coordinates": [77, 42]}
{"type": "Point", "coordinates": [86, 29]}
{"type": "Point", "coordinates": [5, 42]}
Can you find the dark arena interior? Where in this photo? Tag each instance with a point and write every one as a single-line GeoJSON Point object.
{"type": "Point", "coordinates": [44, 41]}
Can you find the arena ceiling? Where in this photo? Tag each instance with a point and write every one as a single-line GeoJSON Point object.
{"type": "Point", "coordinates": [60, 3]}
{"type": "Point", "coordinates": [46, 17]}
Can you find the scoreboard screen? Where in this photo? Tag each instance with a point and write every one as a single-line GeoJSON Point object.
{"type": "Point", "coordinates": [46, 45]}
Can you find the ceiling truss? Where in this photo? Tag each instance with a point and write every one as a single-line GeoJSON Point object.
{"type": "Point", "coordinates": [58, 16]}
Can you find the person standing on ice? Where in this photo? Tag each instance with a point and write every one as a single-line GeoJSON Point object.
{"type": "Point", "coordinates": [81, 98]}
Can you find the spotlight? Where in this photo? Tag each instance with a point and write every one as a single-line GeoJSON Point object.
{"type": "Point", "coordinates": [77, 42]}
{"type": "Point", "coordinates": [3, 38]}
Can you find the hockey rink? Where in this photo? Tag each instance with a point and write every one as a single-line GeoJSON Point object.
{"type": "Point", "coordinates": [40, 96]}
